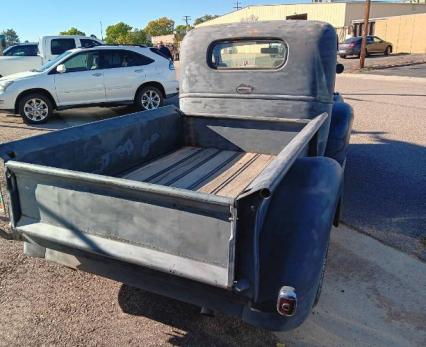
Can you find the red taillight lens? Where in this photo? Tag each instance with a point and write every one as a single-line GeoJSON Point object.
{"type": "Point", "coordinates": [287, 301]}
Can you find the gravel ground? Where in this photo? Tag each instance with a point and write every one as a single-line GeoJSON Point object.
{"type": "Point", "coordinates": [375, 62]}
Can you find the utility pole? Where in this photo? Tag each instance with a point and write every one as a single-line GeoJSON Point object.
{"type": "Point", "coordinates": [364, 34]}
{"type": "Point", "coordinates": [187, 19]}
{"type": "Point", "coordinates": [238, 5]}
{"type": "Point", "coordinates": [102, 32]}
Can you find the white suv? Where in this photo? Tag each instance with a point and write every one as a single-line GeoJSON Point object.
{"type": "Point", "coordinates": [102, 75]}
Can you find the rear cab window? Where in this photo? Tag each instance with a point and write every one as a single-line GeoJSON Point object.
{"type": "Point", "coordinates": [59, 46]}
{"type": "Point", "coordinates": [247, 54]}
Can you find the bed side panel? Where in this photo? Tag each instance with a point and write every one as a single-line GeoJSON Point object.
{"type": "Point", "coordinates": [105, 147]}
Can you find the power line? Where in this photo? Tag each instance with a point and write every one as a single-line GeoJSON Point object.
{"type": "Point", "coordinates": [238, 5]}
{"type": "Point", "coordinates": [187, 19]}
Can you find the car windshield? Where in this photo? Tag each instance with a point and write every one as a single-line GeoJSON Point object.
{"type": "Point", "coordinates": [8, 49]}
{"type": "Point", "coordinates": [52, 62]}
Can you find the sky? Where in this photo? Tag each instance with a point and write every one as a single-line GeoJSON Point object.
{"type": "Point", "coordinates": [34, 18]}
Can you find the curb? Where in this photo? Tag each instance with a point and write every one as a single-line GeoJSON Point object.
{"type": "Point", "coordinates": [384, 67]}
{"type": "Point", "coordinates": [372, 76]}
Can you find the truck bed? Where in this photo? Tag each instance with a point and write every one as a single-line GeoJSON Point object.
{"type": "Point", "coordinates": [209, 170]}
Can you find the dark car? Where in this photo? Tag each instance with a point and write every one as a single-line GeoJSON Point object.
{"type": "Point", "coordinates": [23, 49]}
{"type": "Point", "coordinates": [352, 46]}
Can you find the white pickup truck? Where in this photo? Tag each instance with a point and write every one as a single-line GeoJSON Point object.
{"type": "Point", "coordinates": [49, 47]}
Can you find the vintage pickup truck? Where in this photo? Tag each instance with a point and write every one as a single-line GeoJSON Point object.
{"type": "Point", "coordinates": [226, 203]}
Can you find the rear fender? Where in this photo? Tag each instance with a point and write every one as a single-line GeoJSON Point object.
{"type": "Point", "coordinates": [294, 239]}
{"type": "Point", "coordinates": [340, 131]}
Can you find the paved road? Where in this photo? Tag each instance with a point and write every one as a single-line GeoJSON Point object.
{"type": "Point", "coordinates": [385, 185]}
{"type": "Point", "coordinates": [418, 70]}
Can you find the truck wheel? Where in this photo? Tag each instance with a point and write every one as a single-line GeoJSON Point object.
{"type": "Point", "coordinates": [35, 108]}
{"type": "Point", "coordinates": [149, 98]}
{"type": "Point", "coordinates": [321, 281]}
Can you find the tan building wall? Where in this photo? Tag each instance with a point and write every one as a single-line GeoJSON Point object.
{"type": "Point", "coordinates": [406, 33]}
{"type": "Point", "coordinates": [337, 14]}
{"type": "Point", "coordinates": [333, 13]}
{"type": "Point", "coordinates": [356, 11]}
{"type": "Point", "coordinates": [166, 39]}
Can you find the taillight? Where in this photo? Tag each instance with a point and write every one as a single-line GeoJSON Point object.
{"type": "Point", "coordinates": [171, 65]}
{"type": "Point", "coordinates": [287, 301]}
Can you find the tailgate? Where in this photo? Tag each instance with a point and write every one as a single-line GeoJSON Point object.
{"type": "Point", "coordinates": [188, 234]}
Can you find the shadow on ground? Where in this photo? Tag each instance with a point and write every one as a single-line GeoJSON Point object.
{"type": "Point", "coordinates": [385, 189]}
{"type": "Point", "coordinates": [190, 328]}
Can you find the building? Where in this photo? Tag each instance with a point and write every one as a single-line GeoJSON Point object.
{"type": "Point", "coordinates": [342, 15]}
{"type": "Point", "coordinates": [407, 33]}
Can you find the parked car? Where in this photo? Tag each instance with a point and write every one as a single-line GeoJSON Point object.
{"type": "Point", "coordinates": [91, 76]}
{"type": "Point", "coordinates": [27, 57]}
{"type": "Point", "coordinates": [352, 46]}
{"type": "Point", "coordinates": [226, 203]}
{"type": "Point", "coordinates": [22, 50]}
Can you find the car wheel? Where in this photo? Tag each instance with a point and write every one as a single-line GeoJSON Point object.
{"type": "Point", "coordinates": [35, 108]}
{"type": "Point", "coordinates": [343, 56]}
{"type": "Point", "coordinates": [387, 50]}
{"type": "Point", "coordinates": [149, 98]}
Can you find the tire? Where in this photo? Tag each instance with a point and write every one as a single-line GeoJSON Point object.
{"type": "Point", "coordinates": [321, 281]}
{"type": "Point", "coordinates": [387, 51]}
{"type": "Point", "coordinates": [35, 108]}
{"type": "Point", "coordinates": [149, 98]}
{"type": "Point", "coordinates": [343, 56]}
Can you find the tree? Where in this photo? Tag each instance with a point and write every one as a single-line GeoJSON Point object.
{"type": "Point", "coordinates": [73, 31]}
{"type": "Point", "coordinates": [181, 31]}
{"type": "Point", "coordinates": [123, 34]}
{"type": "Point", "coordinates": [139, 37]}
{"type": "Point", "coordinates": [117, 32]}
{"type": "Point", "coordinates": [205, 18]}
{"type": "Point", "coordinates": [11, 37]}
{"type": "Point", "coordinates": [160, 26]}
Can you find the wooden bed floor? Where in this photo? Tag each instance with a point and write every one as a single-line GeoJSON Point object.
{"type": "Point", "coordinates": [208, 170]}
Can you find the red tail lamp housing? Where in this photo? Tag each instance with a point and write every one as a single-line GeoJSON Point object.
{"type": "Point", "coordinates": [287, 301]}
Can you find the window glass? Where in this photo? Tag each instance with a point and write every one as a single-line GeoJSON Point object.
{"type": "Point", "coordinates": [248, 54]}
{"type": "Point", "coordinates": [52, 62]}
{"type": "Point", "coordinates": [87, 43]}
{"type": "Point", "coordinates": [59, 46]}
{"type": "Point", "coordinates": [22, 50]}
{"type": "Point", "coordinates": [377, 40]}
{"type": "Point", "coordinates": [117, 58]}
{"type": "Point", "coordinates": [369, 39]}
{"type": "Point", "coordinates": [83, 62]}
{"type": "Point", "coordinates": [352, 40]}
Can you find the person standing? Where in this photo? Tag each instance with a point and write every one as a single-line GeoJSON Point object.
{"type": "Point", "coordinates": [163, 49]}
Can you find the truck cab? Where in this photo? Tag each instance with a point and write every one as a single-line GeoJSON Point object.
{"type": "Point", "coordinates": [226, 203]}
{"type": "Point", "coordinates": [48, 48]}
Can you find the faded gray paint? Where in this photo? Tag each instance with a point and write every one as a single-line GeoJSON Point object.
{"type": "Point", "coordinates": [302, 88]}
